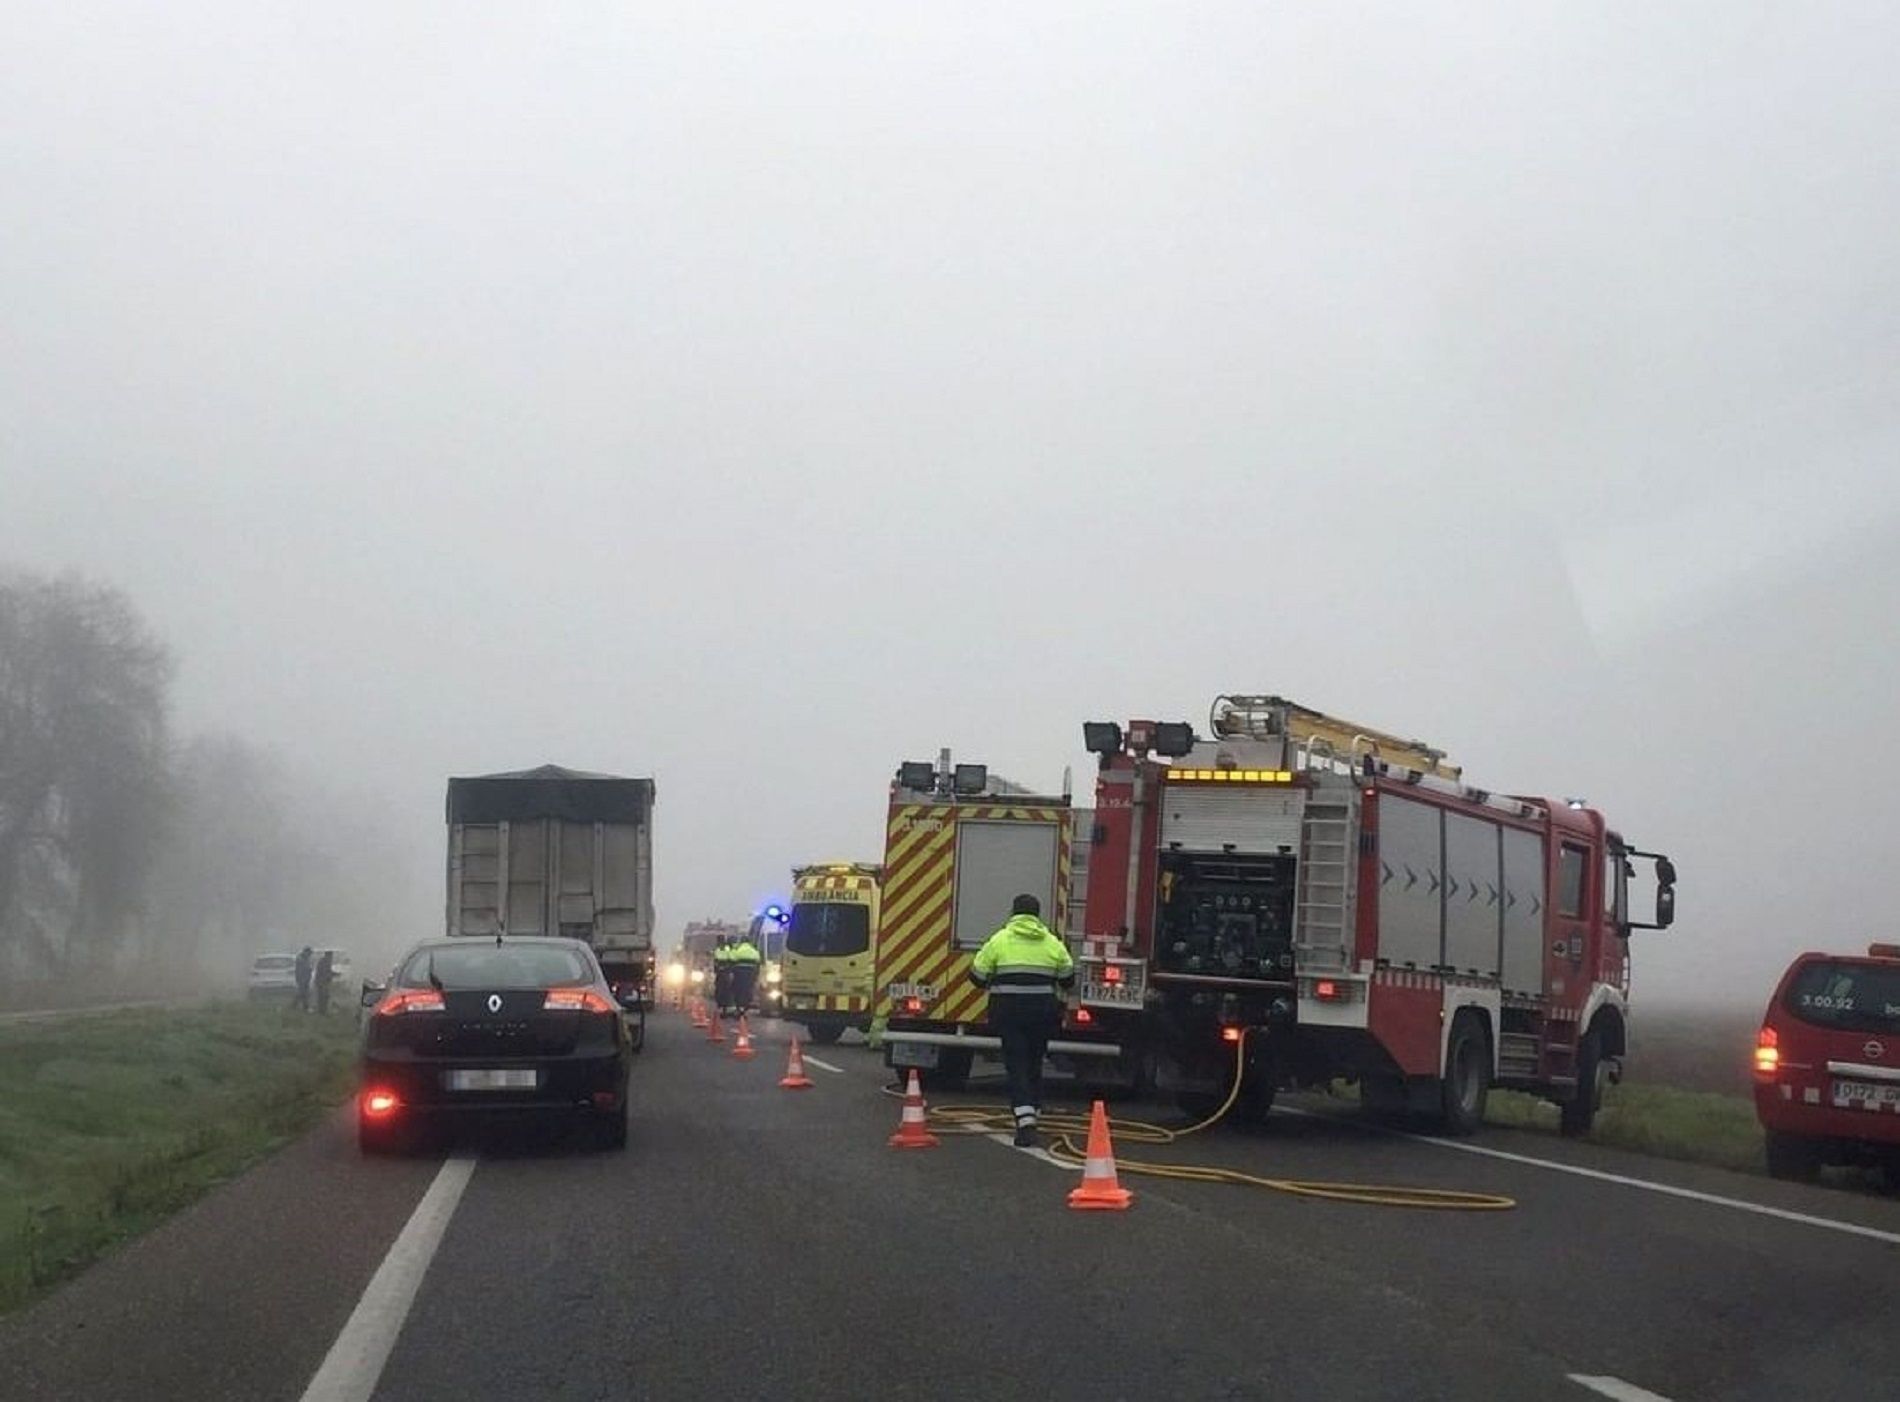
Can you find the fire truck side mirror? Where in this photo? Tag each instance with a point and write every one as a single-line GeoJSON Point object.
{"type": "Point", "coordinates": [1665, 900]}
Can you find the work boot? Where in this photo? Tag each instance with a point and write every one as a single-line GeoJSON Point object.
{"type": "Point", "coordinates": [1025, 1136]}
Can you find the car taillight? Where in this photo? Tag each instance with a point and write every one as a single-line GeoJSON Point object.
{"type": "Point", "coordinates": [1330, 991]}
{"type": "Point", "coordinates": [380, 1102]}
{"type": "Point", "coordinates": [1230, 1034]}
{"type": "Point", "coordinates": [576, 1000]}
{"type": "Point", "coordinates": [1083, 1017]}
{"type": "Point", "coordinates": [410, 1000]}
{"type": "Point", "coordinates": [1767, 1053]}
{"type": "Point", "coordinates": [913, 1005]}
{"type": "Point", "coordinates": [1112, 973]}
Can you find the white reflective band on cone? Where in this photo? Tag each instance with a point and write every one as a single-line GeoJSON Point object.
{"type": "Point", "coordinates": [1099, 1168]}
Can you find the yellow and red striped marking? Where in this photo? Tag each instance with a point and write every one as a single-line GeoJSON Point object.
{"type": "Point", "coordinates": [914, 932]}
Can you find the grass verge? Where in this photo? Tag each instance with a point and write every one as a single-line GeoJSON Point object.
{"type": "Point", "coordinates": [1691, 1125]}
{"type": "Point", "coordinates": [109, 1123]}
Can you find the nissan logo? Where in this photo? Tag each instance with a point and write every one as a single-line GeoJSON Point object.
{"type": "Point", "coordinates": [494, 1004]}
{"type": "Point", "coordinates": [1873, 1051]}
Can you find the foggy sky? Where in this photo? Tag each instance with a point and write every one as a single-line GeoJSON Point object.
{"type": "Point", "coordinates": [757, 398]}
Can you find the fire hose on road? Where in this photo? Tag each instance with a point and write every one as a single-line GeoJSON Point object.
{"type": "Point", "coordinates": [1066, 1131]}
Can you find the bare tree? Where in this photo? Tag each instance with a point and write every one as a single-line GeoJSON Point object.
{"type": "Point", "coordinates": [83, 772]}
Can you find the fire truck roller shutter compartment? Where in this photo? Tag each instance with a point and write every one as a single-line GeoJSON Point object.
{"type": "Point", "coordinates": [1411, 881]}
{"type": "Point", "coordinates": [1474, 936]}
{"type": "Point", "coordinates": [996, 862]}
{"type": "Point", "coordinates": [1523, 912]}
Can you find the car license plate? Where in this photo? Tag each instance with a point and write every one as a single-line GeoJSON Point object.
{"type": "Point", "coordinates": [493, 1080]}
{"type": "Point", "coordinates": [919, 1054]}
{"type": "Point", "coordinates": [1115, 995]}
{"type": "Point", "coordinates": [1865, 1095]}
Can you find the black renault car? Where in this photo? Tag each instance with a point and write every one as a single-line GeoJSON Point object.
{"type": "Point", "coordinates": [489, 1027]}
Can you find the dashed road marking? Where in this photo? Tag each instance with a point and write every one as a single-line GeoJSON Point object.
{"type": "Point", "coordinates": [1009, 1142]}
{"type": "Point", "coordinates": [350, 1370]}
{"type": "Point", "coordinates": [1615, 1387]}
{"type": "Point", "coordinates": [811, 1060]}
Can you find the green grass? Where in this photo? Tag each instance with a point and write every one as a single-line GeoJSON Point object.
{"type": "Point", "coordinates": [1692, 1125]}
{"type": "Point", "coordinates": [109, 1123]}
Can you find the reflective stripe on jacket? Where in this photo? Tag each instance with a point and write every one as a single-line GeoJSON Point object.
{"type": "Point", "coordinates": [1024, 958]}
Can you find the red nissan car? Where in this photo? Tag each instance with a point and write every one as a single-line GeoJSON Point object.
{"type": "Point", "coordinates": [1827, 1065]}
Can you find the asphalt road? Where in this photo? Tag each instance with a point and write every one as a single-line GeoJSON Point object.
{"type": "Point", "coordinates": [754, 1242]}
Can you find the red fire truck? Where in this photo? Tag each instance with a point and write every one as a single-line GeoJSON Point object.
{"type": "Point", "coordinates": [1340, 903]}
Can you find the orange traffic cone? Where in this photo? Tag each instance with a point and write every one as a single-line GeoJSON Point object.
{"type": "Point", "coordinates": [742, 1048]}
{"type": "Point", "coordinates": [912, 1130]}
{"type": "Point", "coordinates": [795, 1077]}
{"type": "Point", "coordinates": [716, 1028]}
{"type": "Point", "coordinates": [699, 1013]}
{"type": "Point", "coordinates": [1099, 1190]}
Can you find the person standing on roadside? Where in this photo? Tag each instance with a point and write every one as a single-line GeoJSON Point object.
{"type": "Point", "coordinates": [326, 977]}
{"type": "Point", "coordinates": [744, 960]}
{"type": "Point", "coordinates": [303, 971]}
{"type": "Point", "coordinates": [722, 974]}
{"type": "Point", "coordinates": [1026, 968]}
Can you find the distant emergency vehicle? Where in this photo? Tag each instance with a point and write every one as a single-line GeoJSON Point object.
{"type": "Point", "coordinates": [826, 975]}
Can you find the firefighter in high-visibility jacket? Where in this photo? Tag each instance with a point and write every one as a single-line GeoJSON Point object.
{"type": "Point", "coordinates": [722, 973]}
{"type": "Point", "coordinates": [743, 959]}
{"type": "Point", "coordinates": [1026, 969]}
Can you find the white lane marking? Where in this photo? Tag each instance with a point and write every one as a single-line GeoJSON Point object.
{"type": "Point", "coordinates": [1616, 1387]}
{"type": "Point", "coordinates": [353, 1365]}
{"type": "Point", "coordinates": [1009, 1142]}
{"type": "Point", "coordinates": [1805, 1219]}
{"type": "Point", "coordinates": [811, 1060]}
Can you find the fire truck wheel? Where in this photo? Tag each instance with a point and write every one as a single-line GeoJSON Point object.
{"type": "Point", "coordinates": [1197, 1105]}
{"type": "Point", "coordinates": [1467, 1082]}
{"type": "Point", "coordinates": [823, 1036]}
{"type": "Point", "coordinates": [1793, 1157]}
{"type": "Point", "coordinates": [1382, 1097]}
{"type": "Point", "coordinates": [1256, 1100]}
{"type": "Point", "coordinates": [1579, 1113]}
{"type": "Point", "coordinates": [952, 1072]}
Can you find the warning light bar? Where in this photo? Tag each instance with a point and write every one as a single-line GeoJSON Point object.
{"type": "Point", "coordinates": [1229, 776]}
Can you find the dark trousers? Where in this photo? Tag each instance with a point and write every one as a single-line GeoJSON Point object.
{"type": "Point", "coordinates": [302, 1001]}
{"type": "Point", "coordinates": [323, 995]}
{"type": "Point", "coordinates": [1024, 1022]}
{"type": "Point", "coordinates": [722, 986]}
{"type": "Point", "coordinates": [745, 982]}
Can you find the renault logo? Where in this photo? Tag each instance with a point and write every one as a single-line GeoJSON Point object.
{"type": "Point", "coordinates": [494, 1002]}
{"type": "Point", "coordinates": [1873, 1051]}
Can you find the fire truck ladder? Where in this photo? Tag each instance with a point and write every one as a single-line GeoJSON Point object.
{"type": "Point", "coordinates": [1322, 736]}
{"type": "Point", "coordinates": [1324, 916]}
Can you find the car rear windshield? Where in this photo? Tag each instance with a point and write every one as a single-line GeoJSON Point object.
{"type": "Point", "coordinates": [827, 931]}
{"type": "Point", "coordinates": [1854, 997]}
{"type": "Point", "coordinates": [488, 965]}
